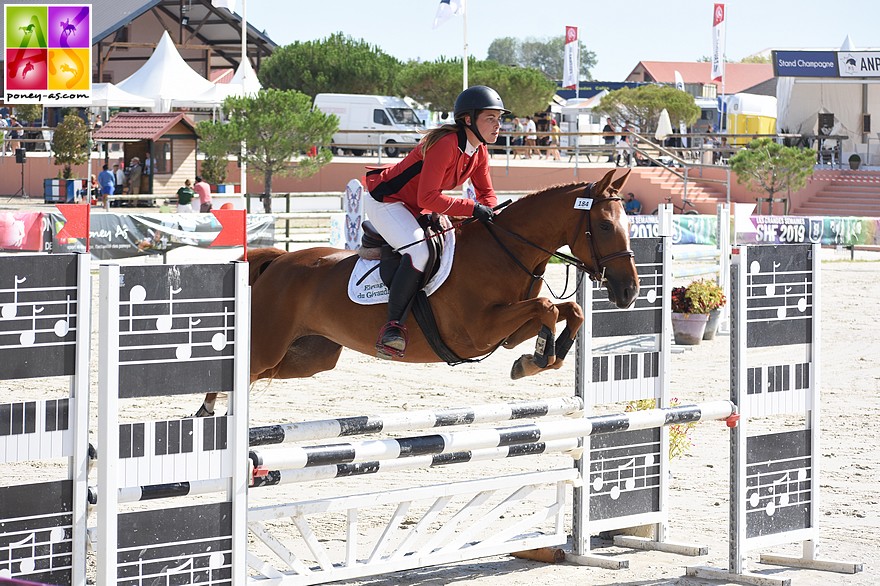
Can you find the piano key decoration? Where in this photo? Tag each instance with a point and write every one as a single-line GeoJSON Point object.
{"type": "Point", "coordinates": [774, 371]}
{"type": "Point", "coordinates": [44, 332]}
{"type": "Point", "coordinates": [626, 354]}
{"type": "Point", "coordinates": [171, 330]}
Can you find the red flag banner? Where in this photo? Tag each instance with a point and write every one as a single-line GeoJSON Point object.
{"type": "Point", "coordinates": [718, 26]}
{"type": "Point", "coordinates": [570, 58]}
{"type": "Point", "coordinates": [233, 228]}
{"type": "Point", "coordinates": [76, 223]}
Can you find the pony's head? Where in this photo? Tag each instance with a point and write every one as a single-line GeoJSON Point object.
{"type": "Point", "coordinates": [603, 242]}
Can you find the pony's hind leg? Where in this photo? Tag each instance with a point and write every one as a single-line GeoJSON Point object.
{"type": "Point", "coordinates": [307, 356]}
{"type": "Point", "coordinates": [207, 408]}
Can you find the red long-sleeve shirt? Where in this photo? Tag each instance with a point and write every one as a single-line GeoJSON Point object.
{"type": "Point", "coordinates": [420, 178]}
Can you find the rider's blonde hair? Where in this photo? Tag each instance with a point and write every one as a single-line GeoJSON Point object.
{"type": "Point", "coordinates": [435, 134]}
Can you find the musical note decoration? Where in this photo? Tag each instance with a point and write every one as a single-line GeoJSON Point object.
{"type": "Point", "coordinates": [175, 335]}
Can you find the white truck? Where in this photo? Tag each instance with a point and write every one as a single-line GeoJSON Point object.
{"type": "Point", "coordinates": [378, 120]}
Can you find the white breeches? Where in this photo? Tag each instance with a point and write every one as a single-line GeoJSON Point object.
{"type": "Point", "coordinates": [399, 227]}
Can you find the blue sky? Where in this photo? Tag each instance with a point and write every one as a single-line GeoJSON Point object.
{"type": "Point", "coordinates": [620, 33]}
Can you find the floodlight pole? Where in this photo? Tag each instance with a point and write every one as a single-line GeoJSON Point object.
{"type": "Point", "coordinates": [465, 49]}
{"type": "Point", "coordinates": [244, 55]}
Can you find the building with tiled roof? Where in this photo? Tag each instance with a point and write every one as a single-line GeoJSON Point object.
{"type": "Point", "coordinates": [169, 138]}
{"type": "Point", "coordinates": [738, 77]}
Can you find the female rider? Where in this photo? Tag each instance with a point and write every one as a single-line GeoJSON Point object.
{"type": "Point", "coordinates": [444, 158]}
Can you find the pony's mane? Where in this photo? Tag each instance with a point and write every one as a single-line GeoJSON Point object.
{"type": "Point", "coordinates": [557, 187]}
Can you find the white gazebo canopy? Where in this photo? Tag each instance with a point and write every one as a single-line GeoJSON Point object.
{"type": "Point", "coordinates": [243, 83]}
{"type": "Point", "coordinates": [165, 77]}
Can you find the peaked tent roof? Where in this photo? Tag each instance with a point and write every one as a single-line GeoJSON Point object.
{"type": "Point", "coordinates": [141, 126]}
{"type": "Point", "coordinates": [738, 77]}
{"type": "Point", "coordinates": [243, 83]}
{"type": "Point", "coordinates": [165, 77]}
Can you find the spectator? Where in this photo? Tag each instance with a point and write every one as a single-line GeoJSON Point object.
{"type": "Point", "coordinates": [94, 188]}
{"type": "Point", "coordinates": [555, 133]}
{"type": "Point", "coordinates": [134, 176]}
{"type": "Point", "coordinates": [203, 190]}
{"type": "Point", "coordinates": [609, 139]}
{"type": "Point", "coordinates": [724, 152]}
{"type": "Point", "coordinates": [517, 128]}
{"type": "Point", "coordinates": [632, 206]}
{"type": "Point", "coordinates": [185, 197]}
{"type": "Point", "coordinates": [119, 175]}
{"type": "Point", "coordinates": [14, 134]}
{"type": "Point", "coordinates": [709, 153]}
{"type": "Point", "coordinates": [624, 144]}
{"type": "Point", "coordinates": [531, 137]}
{"type": "Point", "coordinates": [107, 181]}
{"type": "Point", "coordinates": [3, 126]}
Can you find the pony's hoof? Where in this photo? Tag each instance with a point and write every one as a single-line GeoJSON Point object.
{"type": "Point", "coordinates": [518, 371]}
{"type": "Point", "coordinates": [204, 412]}
{"type": "Point", "coordinates": [524, 366]}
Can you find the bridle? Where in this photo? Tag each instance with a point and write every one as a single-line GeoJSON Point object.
{"type": "Point", "coordinates": [596, 272]}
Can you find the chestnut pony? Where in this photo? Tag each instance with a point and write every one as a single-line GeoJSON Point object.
{"type": "Point", "coordinates": [301, 315]}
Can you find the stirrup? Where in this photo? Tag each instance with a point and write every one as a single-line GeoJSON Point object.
{"type": "Point", "coordinates": [392, 340]}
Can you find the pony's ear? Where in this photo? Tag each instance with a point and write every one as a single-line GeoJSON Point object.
{"type": "Point", "coordinates": [602, 184]}
{"type": "Point", "coordinates": [621, 181]}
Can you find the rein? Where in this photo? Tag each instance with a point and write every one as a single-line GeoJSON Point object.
{"type": "Point", "coordinates": [596, 273]}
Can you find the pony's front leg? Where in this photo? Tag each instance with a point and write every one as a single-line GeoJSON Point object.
{"type": "Point", "coordinates": [549, 353]}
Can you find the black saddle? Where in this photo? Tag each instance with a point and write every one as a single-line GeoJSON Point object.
{"type": "Point", "coordinates": [389, 259]}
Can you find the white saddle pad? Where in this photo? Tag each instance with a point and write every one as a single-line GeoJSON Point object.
{"type": "Point", "coordinates": [373, 291]}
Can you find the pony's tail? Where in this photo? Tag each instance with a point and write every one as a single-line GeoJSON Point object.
{"type": "Point", "coordinates": [259, 259]}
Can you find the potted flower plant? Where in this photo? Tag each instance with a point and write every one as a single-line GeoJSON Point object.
{"type": "Point", "coordinates": [708, 296]}
{"type": "Point", "coordinates": [689, 316]}
{"type": "Point", "coordinates": [688, 321]}
{"type": "Point", "coordinates": [854, 161]}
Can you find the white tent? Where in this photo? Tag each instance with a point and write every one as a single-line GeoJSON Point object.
{"type": "Point", "coordinates": [243, 83]}
{"type": "Point", "coordinates": [165, 77]}
{"type": "Point", "coordinates": [800, 100]}
{"type": "Point", "coordinates": [107, 95]}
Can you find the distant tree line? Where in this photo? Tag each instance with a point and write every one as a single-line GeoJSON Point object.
{"type": "Point", "coordinates": [523, 72]}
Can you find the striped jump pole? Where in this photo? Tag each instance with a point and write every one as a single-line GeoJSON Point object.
{"type": "Point", "coordinates": [297, 457]}
{"type": "Point", "coordinates": [360, 425]}
{"type": "Point", "coordinates": [276, 477]}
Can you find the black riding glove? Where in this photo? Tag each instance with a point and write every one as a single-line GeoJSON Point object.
{"type": "Point", "coordinates": [483, 213]}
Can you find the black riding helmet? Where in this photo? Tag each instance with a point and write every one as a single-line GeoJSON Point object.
{"type": "Point", "coordinates": [474, 99]}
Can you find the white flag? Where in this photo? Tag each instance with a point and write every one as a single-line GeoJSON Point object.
{"type": "Point", "coordinates": [570, 65]}
{"type": "Point", "coordinates": [679, 82]}
{"type": "Point", "coordinates": [227, 4]}
{"type": "Point", "coordinates": [718, 26]}
{"type": "Point", "coordinates": [448, 9]}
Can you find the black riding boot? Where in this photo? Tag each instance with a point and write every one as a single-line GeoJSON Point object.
{"type": "Point", "coordinates": [393, 337]}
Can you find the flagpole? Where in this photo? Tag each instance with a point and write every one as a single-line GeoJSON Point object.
{"type": "Point", "coordinates": [244, 55]}
{"type": "Point", "coordinates": [465, 50]}
{"type": "Point", "coordinates": [577, 70]}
